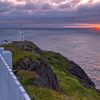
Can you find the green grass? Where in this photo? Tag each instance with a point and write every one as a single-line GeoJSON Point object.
{"type": "Point", "coordinates": [18, 54]}
{"type": "Point", "coordinates": [71, 88]}
{"type": "Point", "coordinates": [39, 93]}
{"type": "Point", "coordinates": [68, 83]}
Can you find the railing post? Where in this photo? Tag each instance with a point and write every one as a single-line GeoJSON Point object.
{"type": "Point", "coordinates": [8, 57]}
{"type": "Point", "coordinates": [1, 49]}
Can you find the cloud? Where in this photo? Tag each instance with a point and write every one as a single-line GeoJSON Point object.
{"type": "Point", "coordinates": [51, 11]}
{"type": "Point", "coordinates": [5, 7]}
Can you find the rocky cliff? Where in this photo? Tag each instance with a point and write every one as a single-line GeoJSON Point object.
{"type": "Point", "coordinates": [38, 69]}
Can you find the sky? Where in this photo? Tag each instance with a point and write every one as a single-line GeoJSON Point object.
{"type": "Point", "coordinates": [66, 12]}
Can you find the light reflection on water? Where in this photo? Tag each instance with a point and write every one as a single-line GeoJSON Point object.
{"type": "Point", "coordinates": [81, 46]}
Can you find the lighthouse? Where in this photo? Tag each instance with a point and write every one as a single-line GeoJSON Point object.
{"type": "Point", "coordinates": [21, 33]}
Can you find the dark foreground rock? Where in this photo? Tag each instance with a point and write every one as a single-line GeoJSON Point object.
{"type": "Point", "coordinates": [46, 76]}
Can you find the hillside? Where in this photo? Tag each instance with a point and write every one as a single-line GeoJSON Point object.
{"type": "Point", "coordinates": [47, 75]}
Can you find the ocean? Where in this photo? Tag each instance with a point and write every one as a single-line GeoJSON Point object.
{"type": "Point", "coordinates": [80, 45]}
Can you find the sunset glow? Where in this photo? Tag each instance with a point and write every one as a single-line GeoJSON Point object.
{"type": "Point", "coordinates": [94, 26]}
{"type": "Point", "coordinates": [98, 27]}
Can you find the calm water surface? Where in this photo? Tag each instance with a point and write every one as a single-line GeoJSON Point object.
{"type": "Point", "coordinates": [80, 45]}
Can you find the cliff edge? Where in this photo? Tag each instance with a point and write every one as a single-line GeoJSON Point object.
{"type": "Point", "coordinates": [46, 73]}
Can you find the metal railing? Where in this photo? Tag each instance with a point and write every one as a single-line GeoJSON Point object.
{"type": "Point", "coordinates": [10, 88]}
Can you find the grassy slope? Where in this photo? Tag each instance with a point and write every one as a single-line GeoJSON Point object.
{"type": "Point", "coordinates": [72, 89]}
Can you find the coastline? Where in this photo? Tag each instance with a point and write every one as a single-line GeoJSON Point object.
{"type": "Point", "coordinates": [46, 69]}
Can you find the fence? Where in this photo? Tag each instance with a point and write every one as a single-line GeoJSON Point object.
{"type": "Point", "coordinates": [10, 88]}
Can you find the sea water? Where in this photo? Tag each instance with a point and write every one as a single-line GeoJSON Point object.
{"type": "Point", "coordinates": [80, 45]}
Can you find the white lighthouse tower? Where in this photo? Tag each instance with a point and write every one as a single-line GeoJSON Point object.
{"type": "Point", "coordinates": [21, 34]}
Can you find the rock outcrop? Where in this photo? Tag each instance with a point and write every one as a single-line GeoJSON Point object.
{"type": "Point", "coordinates": [77, 71]}
{"type": "Point", "coordinates": [46, 76]}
